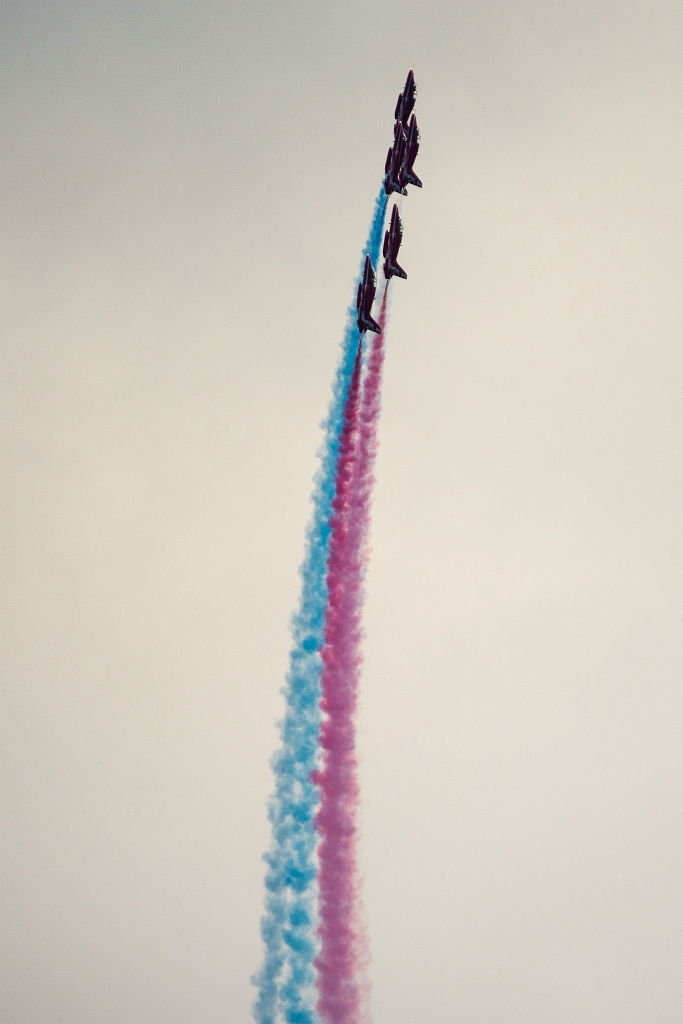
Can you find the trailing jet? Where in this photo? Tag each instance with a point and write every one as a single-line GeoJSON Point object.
{"type": "Point", "coordinates": [366, 297]}
{"type": "Point", "coordinates": [394, 166]}
{"type": "Point", "coordinates": [412, 147]}
{"type": "Point", "coordinates": [392, 242]}
{"type": "Point", "coordinates": [406, 99]}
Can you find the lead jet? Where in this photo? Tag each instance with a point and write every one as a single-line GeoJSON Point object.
{"type": "Point", "coordinates": [392, 243]}
{"type": "Point", "coordinates": [366, 297]}
{"type": "Point", "coordinates": [406, 99]}
{"type": "Point", "coordinates": [395, 163]}
{"type": "Point", "coordinates": [411, 149]}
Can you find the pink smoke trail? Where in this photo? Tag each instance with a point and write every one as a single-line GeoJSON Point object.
{"type": "Point", "coordinates": [341, 959]}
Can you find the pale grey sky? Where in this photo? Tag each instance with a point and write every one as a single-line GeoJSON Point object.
{"type": "Point", "coordinates": [184, 193]}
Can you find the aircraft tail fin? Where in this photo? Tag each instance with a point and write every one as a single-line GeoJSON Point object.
{"type": "Point", "coordinates": [394, 270]}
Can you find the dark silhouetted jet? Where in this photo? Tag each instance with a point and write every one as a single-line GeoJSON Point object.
{"type": "Point", "coordinates": [406, 99]}
{"type": "Point", "coordinates": [395, 163]}
{"type": "Point", "coordinates": [412, 147]}
{"type": "Point", "coordinates": [366, 297]}
{"type": "Point", "coordinates": [392, 243]}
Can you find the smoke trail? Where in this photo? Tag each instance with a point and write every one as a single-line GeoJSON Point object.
{"type": "Point", "coordinates": [286, 982]}
{"type": "Point", "coordinates": [340, 960]}
{"type": "Point", "coordinates": [360, 512]}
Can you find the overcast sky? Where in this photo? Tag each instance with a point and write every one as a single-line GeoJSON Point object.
{"type": "Point", "coordinates": [185, 189]}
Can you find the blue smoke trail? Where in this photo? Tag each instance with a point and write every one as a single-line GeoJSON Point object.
{"type": "Point", "coordinates": [286, 982]}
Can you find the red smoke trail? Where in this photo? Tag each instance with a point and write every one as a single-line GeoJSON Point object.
{"type": "Point", "coordinates": [341, 959]}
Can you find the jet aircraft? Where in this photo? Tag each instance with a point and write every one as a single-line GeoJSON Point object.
{"type": "Point", "coordinates": [406, 99]}
{"type": "Point", "coordinates": [366, 296]}
{"type": "Point", "coordinates": [392, 242]}
{"type": "Point", "coordinates": [395, 162]}
{"type": "Point", "coordinates": [412, 147]}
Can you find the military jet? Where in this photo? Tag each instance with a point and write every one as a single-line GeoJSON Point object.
{"type": "Point", "coordinates": [395, 162]}
{"type": "Point", "coordinates": [392, 242]}
{"type": "Point", "coordinates": [366, 297]}
{"type": "Point", "coordinates": [406, 99]}
{"type": "Point", "coordinates": [412, 147]}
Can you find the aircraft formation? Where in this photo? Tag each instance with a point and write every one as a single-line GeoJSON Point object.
{"type": "Point", "coordinates": [398, 173]}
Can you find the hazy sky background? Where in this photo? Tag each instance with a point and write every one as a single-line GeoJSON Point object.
{"type": "Point", "coordinates": [184, 193]}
